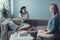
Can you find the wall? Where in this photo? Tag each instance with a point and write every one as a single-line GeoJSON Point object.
{"type": "Point", "coordinates": [37, 9]}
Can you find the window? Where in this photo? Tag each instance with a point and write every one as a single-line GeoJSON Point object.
{"type": "Point", "coordinates": [4, 4]}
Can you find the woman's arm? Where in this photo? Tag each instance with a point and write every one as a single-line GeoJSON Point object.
{"type": "Point", "coordinates": [54, 25]}
{"type": "Point", "coordinates": [25, 27]}
{"type": "Point", "coordinates": [26, 16]}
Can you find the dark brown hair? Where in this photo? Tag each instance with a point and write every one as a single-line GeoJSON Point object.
{"type": "Point", "coordinates": [56, 8]}
{"type": "Point", "coordinates": [22, 9]}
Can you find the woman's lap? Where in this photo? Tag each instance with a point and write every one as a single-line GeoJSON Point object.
{"type": "Point", "coordinates": [13, 26]}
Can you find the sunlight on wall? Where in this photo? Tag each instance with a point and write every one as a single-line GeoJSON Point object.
{"type": "Point", "coordinates": [3, 4]}
{"type": "Point", "coordinates": [1, 7]}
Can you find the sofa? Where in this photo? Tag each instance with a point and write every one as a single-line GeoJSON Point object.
{"type": "Point", "coordinates": [36, 24]}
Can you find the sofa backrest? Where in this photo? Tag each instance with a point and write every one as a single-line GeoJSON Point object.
{"type": "Point", "coordinates": [36, 22]}
{"type": "Point", "coordinates": [41, 22]}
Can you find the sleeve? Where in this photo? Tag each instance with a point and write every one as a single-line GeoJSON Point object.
{"type": "Point", "coordinates": [26, 17]}
{"type": "Point", "coordinates": [19, 15]}
{"type": "Point", "coordinates": [21, 18]}
{"type": "Point", "coordinates": [54, 24]}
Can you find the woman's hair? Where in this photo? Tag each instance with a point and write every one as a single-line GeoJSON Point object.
{"type": "Point", "coordinates": [22, 9]}
{"type": "Point", "coordinates": [56, 10]}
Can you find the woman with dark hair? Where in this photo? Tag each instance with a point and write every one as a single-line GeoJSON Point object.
{"type": "Point", "coordinates": [23, 15]}
{"type": "Point", "coordinates": [21, 29]}
{"type": "Point", "coordinates": [53, 24]}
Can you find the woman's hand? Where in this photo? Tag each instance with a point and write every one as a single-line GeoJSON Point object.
{"type": "Point", "coordinates": [29, 29]}
{"type": "Point", "coordinates": [42, 31]}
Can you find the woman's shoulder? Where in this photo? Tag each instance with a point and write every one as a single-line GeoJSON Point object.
{"type": "Point", "coordinates": [55, 18]}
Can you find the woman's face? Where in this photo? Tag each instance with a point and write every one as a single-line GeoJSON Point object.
{"type": "Point", "coordinates": [24, 10]}
{"type": "Point", "coordinates": [52, 9]}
